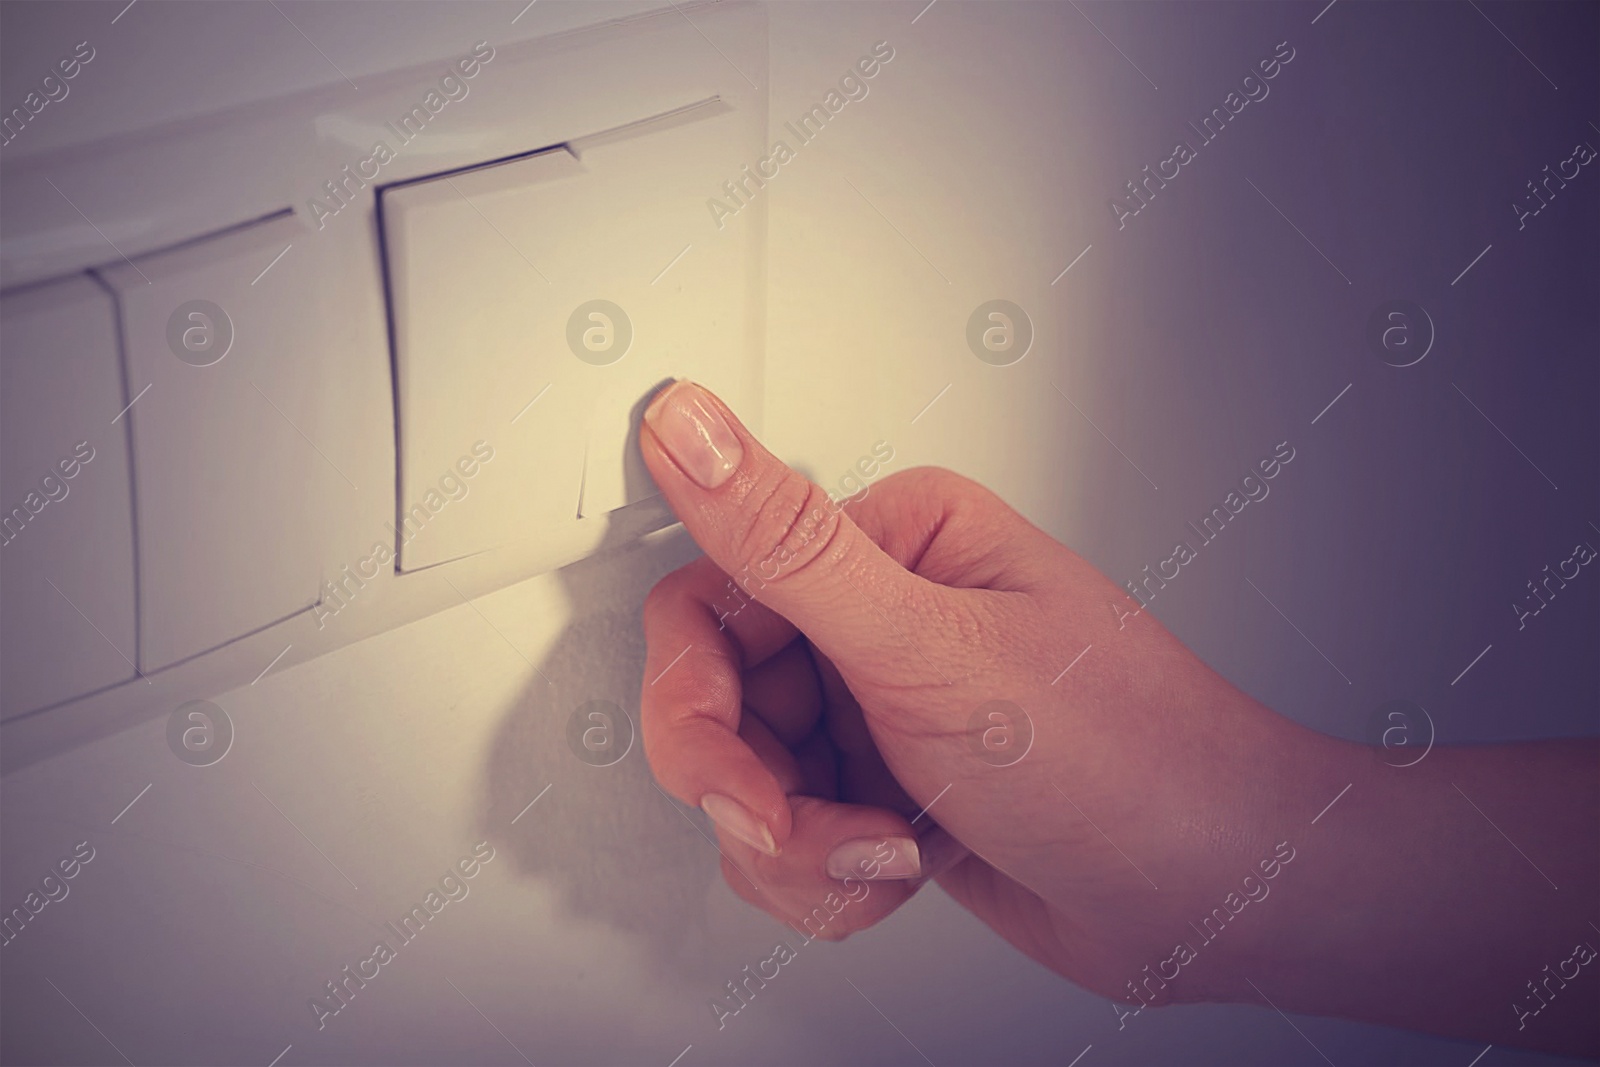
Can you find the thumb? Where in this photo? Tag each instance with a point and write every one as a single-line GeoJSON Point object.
{"type": "Point", "coordinates": [780, 537]}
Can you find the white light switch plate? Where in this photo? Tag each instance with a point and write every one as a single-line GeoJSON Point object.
{"type": "Point", "coordinates": [66, 561]}
{"type": "Point", "coordinates": [265, 537]}
{"type": "Point", "coordinates": [536, 304]}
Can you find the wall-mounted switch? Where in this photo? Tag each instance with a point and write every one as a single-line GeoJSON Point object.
{"type": "Point", "coordinates": [363, 384]}
{"type": "Point", "coordinates": [537, 301]}
{"type": "Point", "coordinates": [66, 550]}
{"type": "Point", "coordinates": [236, 479]}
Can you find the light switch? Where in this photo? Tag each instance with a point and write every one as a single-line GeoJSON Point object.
{"type": "Point", "coordinates": [228, 341]}
{"type": "Point", "coordinates": [66, 553]}
{"type": "Point", "coordinates": [467, 298]}
{"type": "Point", "coordinates": [536, 303]}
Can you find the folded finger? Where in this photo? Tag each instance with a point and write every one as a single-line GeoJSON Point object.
{"type": "Point", "coordinates": [844, 868]}
{"type": "Point", "coordinates": [783, 691]}
{"type": "Point", "coordinates": [691, 704]}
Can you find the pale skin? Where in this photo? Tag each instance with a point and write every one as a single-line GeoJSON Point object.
{"type": "Point", "coordinates": [830, 699]}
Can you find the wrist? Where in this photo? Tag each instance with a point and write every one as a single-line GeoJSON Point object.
{"type": "Point", "coordinates": [1422, 896]}
{"type": "Point", "coordinates": [1279, 902]}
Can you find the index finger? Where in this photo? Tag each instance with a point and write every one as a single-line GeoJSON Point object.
{"type": "Point", "coordinates": [700, 636]}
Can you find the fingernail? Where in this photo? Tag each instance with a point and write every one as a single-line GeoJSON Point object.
{"type": "Point", "coordinates": [695, 434]}
{"type": "Point", "coordinates": [870, 858]}
{"type": "Point", "coordinates": [733, 817]}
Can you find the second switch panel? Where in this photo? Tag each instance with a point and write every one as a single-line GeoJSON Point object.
{"type": "Point", "coordinates": [537, 301]}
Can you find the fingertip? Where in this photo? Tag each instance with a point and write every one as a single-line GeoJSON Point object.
{"type": "Point", "coordinates": [799, 887]}
{"type": "Point", "coordinates": [739, 822]}
{"type": "Point", "coordinates": [660, 394]}
{"type": "Point", "coordinates": [691, 428]}
{"type": "Point", "coordinates": [706, 765]}
{"type": "Point", "coordinates": [889, 858]}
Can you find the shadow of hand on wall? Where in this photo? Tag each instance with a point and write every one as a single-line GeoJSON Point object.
{"type": "Point", "coordinates": [603, 835]}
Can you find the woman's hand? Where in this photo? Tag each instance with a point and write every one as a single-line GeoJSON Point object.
{"type": "Point", "coordinates": [824, 685]}
{"type": "Point", "coordinates": [824, 675]}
